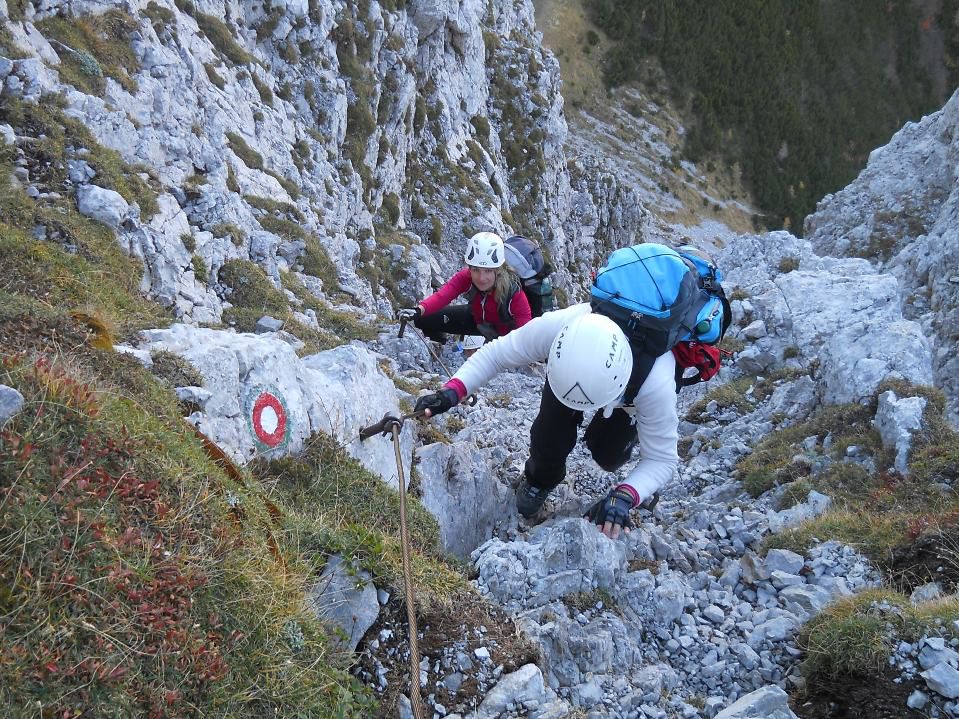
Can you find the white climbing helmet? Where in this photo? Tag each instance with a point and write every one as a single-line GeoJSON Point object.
{"type": "Point", "coordinates": [485, 249]}
{"type": "Point", "coordinates": [473, 342]}
{"type": "Point", "coordinates": [589, 363]}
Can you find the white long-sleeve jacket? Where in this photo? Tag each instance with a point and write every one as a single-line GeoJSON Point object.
{"type": "Point", "coordinates": [653, 410]}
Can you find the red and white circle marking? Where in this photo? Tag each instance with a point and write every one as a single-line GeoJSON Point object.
{"type": "Point", "coordinates": [269, 419]}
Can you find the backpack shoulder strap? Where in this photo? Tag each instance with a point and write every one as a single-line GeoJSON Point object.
{"type": "Point", "coordinates": [642, 365]}
{"type": "Point", "coordinates": [503, 306]}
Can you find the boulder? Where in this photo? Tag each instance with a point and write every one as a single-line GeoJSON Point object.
{"type": "Point", "coordinates": [102, 205]}
{"type": "Point", "coordinates": [266, 401]}
{"type": "Point", "coordinates": [458, 487]}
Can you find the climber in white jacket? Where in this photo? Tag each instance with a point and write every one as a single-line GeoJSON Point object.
{"type": "Point", "coordinates": [590, 366]}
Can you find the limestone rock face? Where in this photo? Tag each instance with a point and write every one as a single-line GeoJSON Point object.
{"type": "Point", "coordinates": [901, 214]}
{"type": "Point", "coordinates": [841, 312]}
{"type": "Point", "coordinates": [368, 128]}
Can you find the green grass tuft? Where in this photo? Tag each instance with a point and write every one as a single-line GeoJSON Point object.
{"type": "Point", "coordinates": [92, 47]}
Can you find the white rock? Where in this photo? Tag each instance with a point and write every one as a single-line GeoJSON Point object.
{"type": "Point", "coordinates": [11, 402]}
{"type": "Point", "coordinates": [102, 205]}
{"type": "Point", "coordinates": [770, 702]}
{"type": "Point", "coordinates": [897, 420]}
{"type": "Point", "coordinates": [942, 679]}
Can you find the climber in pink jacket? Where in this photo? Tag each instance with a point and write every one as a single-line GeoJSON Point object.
{"type": "Point", "coordinates": [497, 303]}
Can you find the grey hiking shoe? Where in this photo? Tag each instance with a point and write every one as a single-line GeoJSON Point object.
{"type": "Point", "coordinates": [529, 499]}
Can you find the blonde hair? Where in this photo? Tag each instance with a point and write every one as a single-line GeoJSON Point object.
{"type": "Point", "coordinates": [505, 284]}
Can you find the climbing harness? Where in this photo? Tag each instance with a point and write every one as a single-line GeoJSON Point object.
{"type": "Point", "coordinates": [390, 426]}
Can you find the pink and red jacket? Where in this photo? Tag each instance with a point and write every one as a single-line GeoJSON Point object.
{"type": "Point", "coordinates": [482, 304]}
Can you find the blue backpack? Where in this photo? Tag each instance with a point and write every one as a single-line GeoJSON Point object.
{"type": "Point", "coordinates": [663, 298]}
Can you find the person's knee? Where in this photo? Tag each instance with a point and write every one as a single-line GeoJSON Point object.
{"type": "Point", "coordinates": [611, 457]}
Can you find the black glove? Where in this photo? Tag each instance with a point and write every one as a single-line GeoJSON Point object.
{"type": "Point", "coordinates": [438, 402]}
{"type": "Point", "coordinates": [614, 508]}
{"type": "Point", "coordinates": [409, 314]}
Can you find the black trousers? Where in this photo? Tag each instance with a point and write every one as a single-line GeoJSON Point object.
{"type": "Point", "coordinates": [553, 435]}
{"type": "Point", "coordinates": [452, 319]}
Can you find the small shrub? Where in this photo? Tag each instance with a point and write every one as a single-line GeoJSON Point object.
{"type": "Point", "coordinates": [282, 227]}
{"type": "Point", "coordinates": [188, 241]}
{"type": "Point", "coordinates": [418, 210]}
{"type": "Point", "coordinates": [853, 636]}
{"type": "Point", "coordinates": [391, 205]}
{"type": "Point", "coordinates": [436, 233]}
{"type": "Point", "coordinates": [251, 158]}
{"type": "Point", "coordinates": [290, 53]}
{"type": "Point", "coordinates": [227, 229]}
{"type": "Point", "coordinates": [481, 124]}
{"type": "Point", "coordinates": [91, 47]}
{"type": "Point", "coordinates": [317, 262]}
{"type": "Point", "coordinates": [274, 206]}
{"type": "Point", "coordinates": [231, 184]}
{"type": "Point", "coordinates": [266, 94]}
{"type": "Point", "coordinates": [175, 370]}
{"type": "Point", "coordinates": [221, 37]}
{"type": "Point", "coordinates": [251, 289]}
{"type": "Point", "coordinates": [265, 29]}
{"type": "Point", "coordinates": [292, 189]}
{"type": "Point", "coordinates": [159, 15]}
{"type": "Point", "coordinates": [302, 148]}
{"type": "Point", "coordinates": [211, 73]}
{"type": "Point", "coordinates": [788, 264]}
{"type": "Point", "coordinates": [199, 269]}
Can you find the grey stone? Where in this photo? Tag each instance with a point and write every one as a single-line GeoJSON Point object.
{"type": "Point", "coordinates": [775, 630]}
{"type": "Point", "coordinates": [524, 686]}
{"type": "Point", "coordinates": [79, 171]}
{"type": "Point", "coordinates": [897, 420]}
{"type": "Point", "coordinates": [917, 700]}
{"type": "Point", "coordinates": [345, 598]}
{"type": "Point", "coordinates": [811, 598]}
{"type": "Point", "coordinates": [268, 324]}
{"type": "Point", "coordinates": [714, 614]}
{"type": "Point", "coordinates": [784, 561]}
{"type": "Point", "coordinates": [926, 593]}
{"type": "Point", "coordinates": [770, 702]}
{"type": "Point", "coordinates": [102, 205]}
{"type": "Point", "coordinates": [933, 651]}
{"type": "Point", "coordinates": [942, 679]}
{"type": "Point", "coordinates": [195, 395]}
{"type": "Point", "coordinates": [458, 475]}
{"type": "Point", "coordinates": [11, 402]}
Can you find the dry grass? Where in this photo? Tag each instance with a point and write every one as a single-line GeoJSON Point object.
{"type": "Point", "coordinates": [856, 635]}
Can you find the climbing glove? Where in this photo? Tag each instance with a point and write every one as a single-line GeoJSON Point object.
{"type": "Point", "coordinates": [438, 402]}
{"type": "Point", "coordinates": [612, 512]}
{"type": "Point", "coordinates": [409, 314]}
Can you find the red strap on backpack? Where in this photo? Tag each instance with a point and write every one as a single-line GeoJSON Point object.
{"type": "Point", "coordinates": [696, 355]}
